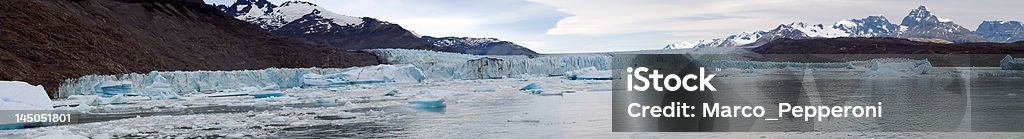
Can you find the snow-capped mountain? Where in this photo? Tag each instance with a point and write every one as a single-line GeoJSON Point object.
{"type": "Point", "coordinates": [480, 46]}
{"type": "Point", "coordinates": [272, 17]}
{"type": "Point", "coordinates": [737, 40]}
{"type": "Point", "coordinates": [313, 24]}
{"type": "Point", "coordinates": [871, 26]}
{"type": "Point", "coordinates": [919, 24]}
{"type": "Point", "coordinates": [922, 24]}
{"type": "Point", "coordinates": [1001, 31]}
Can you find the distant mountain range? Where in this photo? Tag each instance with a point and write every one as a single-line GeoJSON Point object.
{"type": "Point", "coordinates": [480, 46]}
{"type": "Point", "coordinates": [310, 23]}
{"type": "Point", "coordinates": [920, 24]}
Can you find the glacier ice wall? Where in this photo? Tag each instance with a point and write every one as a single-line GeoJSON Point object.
{"type": "Point", "coordinates": [463, 66]}
{"type": "Point", "coordinates": [200, 81]}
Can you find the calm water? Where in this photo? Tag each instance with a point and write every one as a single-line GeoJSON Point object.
{"type": "Point", "coordinates": [933, 104]}
{"type": "Point", "coordinates": [937, 103]}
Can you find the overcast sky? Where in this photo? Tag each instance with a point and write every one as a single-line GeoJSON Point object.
{"type": "Point", "coordinates": [561, 26]}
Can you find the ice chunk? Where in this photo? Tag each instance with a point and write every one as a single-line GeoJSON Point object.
{"type": "Point", "coordinates": [110, 88]}
{"type": "Point", "coordinates": [392, 92]}
{"type": "Point", "coordinates": [314, 80]}
{"type": "Point", "coordinates": [160, 88]}
{"type": "Point", "coordinates": [326, 101]}
{"type": "Point", "coordinates": [484, 89]}
{"type": "Point", "coordinates": [898, 67]}
{"type": "Point", "coordinates": [83, 108]}
{"type": "Point", "coordinates": [530, 86]}
{"type": "Point", "coordinates": [589, 73]}
{"type": "Point", "coordinates": [270, 86]}
{"type": "Point", "coordinates": [267, 95]}
{"type": "Point", "coordinates": [1010, 63]}
{"type": "Point", "coordinates": [546, 92]}
{"type": "Point", "coordinates": [16, 95]}
{"type": "Point", "coordinates": [427, 101]}
{"type": "Point", "coordinates": [850, 66]}
{"type": "Point", "coordinates": [58, 134]}
{"type": "Point", "coordinates": [119, 99]}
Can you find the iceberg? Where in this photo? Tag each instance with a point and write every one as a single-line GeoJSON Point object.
{"type": "Point", "coordinates": [427, 101]}
{"type": "Point", "coordinates": [392, 92]}
{"type": "Point", "coordinates": [530, 86]}
{"type": "Point", "coordinates": [267, 95]}
{"type": "Point", "coordinates": [485, 89]}
{"type": "Point", "coordinates": [16, 95]}
{"type": "Point", "coordinates": [1010, 63]}
{"type": "Point", "coordinates": [897, 67]}
{"type": "Point", "coordinates": [546, 92]}
{"type": "Point", "coordinates": [589, 73]}
{"type": "Point", "coordinates": [119, 99]}
{"type": "Point", "coordinates": [110, 88]}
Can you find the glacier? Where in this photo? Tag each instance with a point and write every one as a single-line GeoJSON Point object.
{"type": "Point", "coordinates": [159, 82]}
{"type": "Point", "coordinates": [364, 75]}
{"type": "Point", "coordinates": [589, 73]}
{"type": "Point", "coordinates": [463, 66]}
{"type": "Point", "coordinates": [1010, 63]}
{"type": "Point", "coordinates": [416, 66]}
{"type": "Point", "coordinates": [160, 88]}
{"type": "Point", "coordinates": [881, 67]}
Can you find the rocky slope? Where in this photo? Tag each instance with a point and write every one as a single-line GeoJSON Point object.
{"type": "Point", "coordinates": [47, 41]}
{"type": "Point", "coordinates": [883, 45]}
{"type": "Point", "coordinates": [1001, 31]}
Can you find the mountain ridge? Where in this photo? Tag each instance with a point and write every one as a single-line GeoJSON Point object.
{"type": "Point", "coordinates": [480, 46]}
{"type": "Point", "coordinates": [919, 23]}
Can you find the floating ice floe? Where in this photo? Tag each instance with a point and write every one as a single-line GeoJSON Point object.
{"type": "Point", "coordinates": [546, 92]}
{"type": "Point", "coordinates": [531, 86]}
{"type": "Point", "coordinates": [15, 95]}
{"type": "Point", "coordinates": [267, 95]}
{"type": "Point", "coordinates": [367, 75]}
{"type": "Point", "coordinates": [427, 101]}
{"type": "Point", "coordinates": [1010, 63]}
{"type": "Point", "coordinates": [485, 89]}
{"type": "Point", "coordinates": [119, 99]}
{"type": "Point", "coordinates": [589, 73]}
{"type": "Point", "coordinates": [898, 67]}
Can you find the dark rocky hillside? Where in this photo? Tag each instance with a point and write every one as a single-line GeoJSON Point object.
{"type": "Point", "coordinates": [48, 41]}
{"type": "Point", "coordinates": [940, 54]}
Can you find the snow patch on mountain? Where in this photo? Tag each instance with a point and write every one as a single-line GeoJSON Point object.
{"type": "Point", "coordinates": [919, 23]}
{"type": "Point", "coordinates": [270, 16]}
